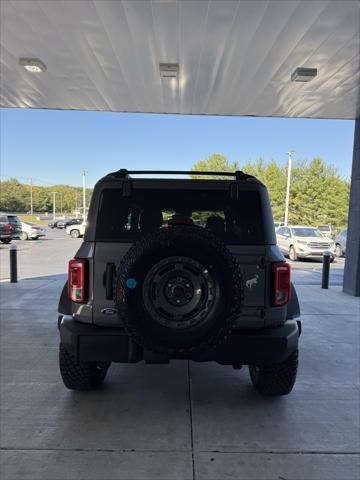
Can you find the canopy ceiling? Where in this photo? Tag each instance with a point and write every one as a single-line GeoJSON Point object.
{"type": "Point", "coordinates": [235, 57]}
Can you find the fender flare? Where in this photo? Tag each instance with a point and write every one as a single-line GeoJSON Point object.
{"type": "Point", "coordinates": [65, 306]}
{"type": "Point", "coordinates": [293, 307]}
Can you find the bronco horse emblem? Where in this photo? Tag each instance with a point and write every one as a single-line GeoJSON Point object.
{"type": "Point", "coordinates": [252, 281]}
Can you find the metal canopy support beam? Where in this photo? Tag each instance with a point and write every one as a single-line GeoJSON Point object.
{"type": "Point", "coordinates": [352, 263]}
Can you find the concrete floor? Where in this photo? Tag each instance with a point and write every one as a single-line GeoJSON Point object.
{"type": "Point", "coordinates": [182, 421]}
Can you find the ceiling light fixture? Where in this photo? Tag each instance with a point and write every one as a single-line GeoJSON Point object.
{"type": "Point", "coordinates": [169, 70]}
{"type": "Point", "coordinates": [302, 74]}
{"type": "Point", "coordinates": [33, 65]}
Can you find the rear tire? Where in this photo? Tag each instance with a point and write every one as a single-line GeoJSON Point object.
{"type": "Point", "coordinates": [75, 233]}
{"type": "Point", "coordinates": [83, 376]}
{"type": "Point", "coordinates": [275, 380]}
{"type": "Point", "coordinates": [6, 240]}
{"type": "Point", "coordinates": [292, 254]}
{"type": "Point", "coordinates": [24, 236]}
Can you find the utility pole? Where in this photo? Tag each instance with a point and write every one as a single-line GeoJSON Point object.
{"type": "Point", "coordinates": [61, 202]}
{"type": "Point", "coordinates": [54, 206]}
{"type": "Point", "coordinates": [31, 199]}
{"type": "Point", "coordinates": [84, 196]}
{"type": "Point", "coordinates": [290, 154]}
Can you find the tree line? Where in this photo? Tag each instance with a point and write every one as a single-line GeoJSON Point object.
{"type": "Point", "coordinates": [318, 194]}
{"type": "Point", "coordinates": [16, 197]}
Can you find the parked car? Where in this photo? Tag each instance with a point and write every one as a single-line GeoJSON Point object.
{"type": "Point", "coordinates": [326, 230]}
{"type": "Point", "coordinates": [147, 284]}
{"type": "Point", "coordinates": [76, 231]}
{"type": "Point", "coordinates": [66, 223]}
{"type": "Point", "coordinates": [31, 231]}
{"type": "Point", "coordinates": [53, 223]}
{"type": "Point", "coordinates": [300, 241]}
{"type": "Point", "coordinates": [10, 227]}
{"type": "Point", "coordinates": [340, 243]}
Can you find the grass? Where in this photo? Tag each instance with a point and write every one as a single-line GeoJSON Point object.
{"type": "Point", "coordinates": [32, 219]}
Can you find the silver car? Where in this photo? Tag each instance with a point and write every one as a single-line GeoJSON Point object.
{"type": "Point", "coordinates": [302, 242]}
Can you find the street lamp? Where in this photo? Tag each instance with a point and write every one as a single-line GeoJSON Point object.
{"type": "Point", "coordinates": [54, 205]}
{"type": "Point", "coordinates": [290, 154]}
{"type": "Point", "coordinates": [84, 196]}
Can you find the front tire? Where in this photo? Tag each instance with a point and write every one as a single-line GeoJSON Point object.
{"type": "Point", "coordinates": [75, 233]}
{"type": "Point", "coordinates": [24, 236]}
{"type": "Point", "coordinates": [275, 380]}
{"type": "Point", "coordinates": [82, 376]}
{"type": "Point", "coordinates": [292, 254]}
{"type": "Point", "coordinates": [338, 250]}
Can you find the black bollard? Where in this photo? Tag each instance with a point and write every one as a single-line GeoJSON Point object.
{"type": "Point", "coordinates": [326, 270]}
{"type": "Point", "coordinates": [13, 264]}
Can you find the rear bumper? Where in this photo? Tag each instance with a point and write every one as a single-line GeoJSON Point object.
{"type": "Point", "coordinates": [261, 347]}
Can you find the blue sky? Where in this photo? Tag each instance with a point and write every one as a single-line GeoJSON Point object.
{"type": "Point", "coordinates": [55, 146]}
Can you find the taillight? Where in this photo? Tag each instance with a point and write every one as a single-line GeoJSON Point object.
{"type": "Point", "coordinates": [77, 281]}
{"type": "Point", "coordinates": [281, 284]}
{"type": "Point", "coordinates": [35, 228]}
{"type": "Point", "coordinates": [8, 226]}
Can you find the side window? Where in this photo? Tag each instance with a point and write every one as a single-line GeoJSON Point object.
{"type": "Point", "coordinates": [3, 219]}
{"type": "Point", "coordinates": [288, 232]}
{"type": "Point", "coordinates": [281, 231]}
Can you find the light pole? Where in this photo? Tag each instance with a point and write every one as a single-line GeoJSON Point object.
{"type": "Point", "coordinates": [84, 196]}
{"type": "Point", "coordinates": [31, 199]}
{"type": "Point", "coordinates": [290, 154]}
{"type": "Point", "coordinates": [61, 202]}
{"type": "Point", "coordinates": [54, 206]}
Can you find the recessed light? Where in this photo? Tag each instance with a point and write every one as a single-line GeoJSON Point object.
{"type": "Point", "coordinates": [33, 65]}
{"type": "Point", "coordinates": [169, 70]}
{"type": "Point", "coordinates": [302, 74]}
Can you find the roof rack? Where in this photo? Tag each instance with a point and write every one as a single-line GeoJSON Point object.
{"type": "Point", "coordinates": [123, 173]}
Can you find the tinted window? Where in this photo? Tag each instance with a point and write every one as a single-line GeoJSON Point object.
{"type": "Point", "coordinates": [13, 220]}
{"type": "Point", "coordinates": [236, 221]}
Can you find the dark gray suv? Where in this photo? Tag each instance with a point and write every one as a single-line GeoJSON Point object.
{"type": "Point", "coordinates": [183, 269]}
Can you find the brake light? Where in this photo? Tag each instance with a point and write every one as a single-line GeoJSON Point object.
{"type": "Point", "coordinates": [281, 284]}
{"type": "Point", "coordinates": [8, 226]}
{"type": "Point", "coordinates": [77, 284]}
{"type": "Point", "coordinates": [35, 228]}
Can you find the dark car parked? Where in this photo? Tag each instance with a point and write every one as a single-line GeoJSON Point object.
{"type": "Point", "coordinates": [66, 223]}
{"type": "Point", "coordinates": [10, 227]}
{"type": "Point", "coordinates": [340, 243]}
{"type": "Point", "coordinates": [53, 223]}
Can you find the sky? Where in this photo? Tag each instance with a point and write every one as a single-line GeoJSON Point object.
{"type": "Point", "coordinates": [54, 146]}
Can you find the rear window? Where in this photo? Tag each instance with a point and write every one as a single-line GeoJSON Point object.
{"type": "Point", "coordinates": [13, 219]}
{"type": "Point", "coordinates": [235, 221]}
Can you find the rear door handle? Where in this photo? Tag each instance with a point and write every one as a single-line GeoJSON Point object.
{"type": "Point", "coordinates": [109, 275]}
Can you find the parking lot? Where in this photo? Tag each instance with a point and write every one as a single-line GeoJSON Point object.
{"type": "Point", "coordinates": [50, 255]}
{"type": "Point", "coordinates": [177, 421]}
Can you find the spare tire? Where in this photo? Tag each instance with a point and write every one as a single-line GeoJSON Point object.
{"type": "Point", "coordinates": [179, 289]}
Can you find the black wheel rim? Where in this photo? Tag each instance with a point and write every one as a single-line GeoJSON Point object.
{"type": "Point", "coordinates": [179, 293]}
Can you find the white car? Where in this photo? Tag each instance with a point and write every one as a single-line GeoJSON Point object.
{"type": "Point", "coordinates": [31, 231]}
{"type": "Point", "coordinates": [300, 241]}
{"type": "Point", "coordinates": [76, 231]}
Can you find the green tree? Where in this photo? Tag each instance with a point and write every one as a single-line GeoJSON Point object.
{"type": "Point", "coordinates": [14, 196]}
{"type": "Point", "coordinates": [318, 194]}
{"type": "Point", "coordinates": [215, 163]}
